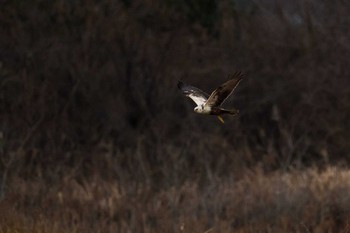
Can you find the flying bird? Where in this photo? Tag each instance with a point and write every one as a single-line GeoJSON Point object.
{"type": "Point", "coordinates": [210, 105]}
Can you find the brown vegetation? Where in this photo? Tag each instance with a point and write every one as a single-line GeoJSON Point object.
{"type": "Point", "coordinates": [95, 137]}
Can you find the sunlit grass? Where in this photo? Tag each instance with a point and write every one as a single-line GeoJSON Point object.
{"type": "Point", "coordinates": [295, 201]}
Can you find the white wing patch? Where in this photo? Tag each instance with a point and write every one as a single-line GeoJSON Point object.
{"type": "Point", "coordinates": [199, 100]}
{"type": "Point", "coordinates": [197, 95]}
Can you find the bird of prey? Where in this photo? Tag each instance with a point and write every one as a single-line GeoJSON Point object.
{"type": "Point", "coordinates": [210, 105]}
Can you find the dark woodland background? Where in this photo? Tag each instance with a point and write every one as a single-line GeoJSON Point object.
{"type": "Point", "coordinates": [95, 136]}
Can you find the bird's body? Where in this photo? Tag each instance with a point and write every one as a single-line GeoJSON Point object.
{"type": "Point", "coordinates": [202, 109]}
{"type": "Point", "coordinates": [210, 105]}
{"type": "Point", "coordinates": [207, 110]}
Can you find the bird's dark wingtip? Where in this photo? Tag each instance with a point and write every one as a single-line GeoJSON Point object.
{"type": "Point", "coordinates": [180, 84]}
{"type": "Point", "coordinates": [238, 74]}
{"type": "Point", "coordinates": [241, 74]}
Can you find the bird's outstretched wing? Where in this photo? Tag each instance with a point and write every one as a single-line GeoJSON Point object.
{"type": "Point", "coordinates": [196, 94]}
{"type": "Point", "coordinates": [219, 95]}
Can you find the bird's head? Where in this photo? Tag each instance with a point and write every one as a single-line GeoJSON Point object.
{"type": "Point", "coordinates": [198, 109]}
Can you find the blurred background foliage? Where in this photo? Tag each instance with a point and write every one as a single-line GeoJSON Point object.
{"type": "Point", "coordinates": [75, 74]}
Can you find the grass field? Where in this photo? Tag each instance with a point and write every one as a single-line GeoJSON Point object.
{"type": "Point", "coordinates": [312, 200]}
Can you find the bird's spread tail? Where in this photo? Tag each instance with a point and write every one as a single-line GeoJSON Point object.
{"type": "Point", "coordinates": [230, 111]}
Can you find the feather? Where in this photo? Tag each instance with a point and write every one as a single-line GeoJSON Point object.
{"type": "Point", "coordinates": [196, 94]}
{"type": "Point", "coordinates": [219, 95]}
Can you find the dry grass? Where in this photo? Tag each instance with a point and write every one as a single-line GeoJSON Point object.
{"type": "Point", "coordinates": [312, 200]}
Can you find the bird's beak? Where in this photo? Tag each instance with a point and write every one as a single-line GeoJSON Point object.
{"type": "Point", "coordinates": [220, 119]}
